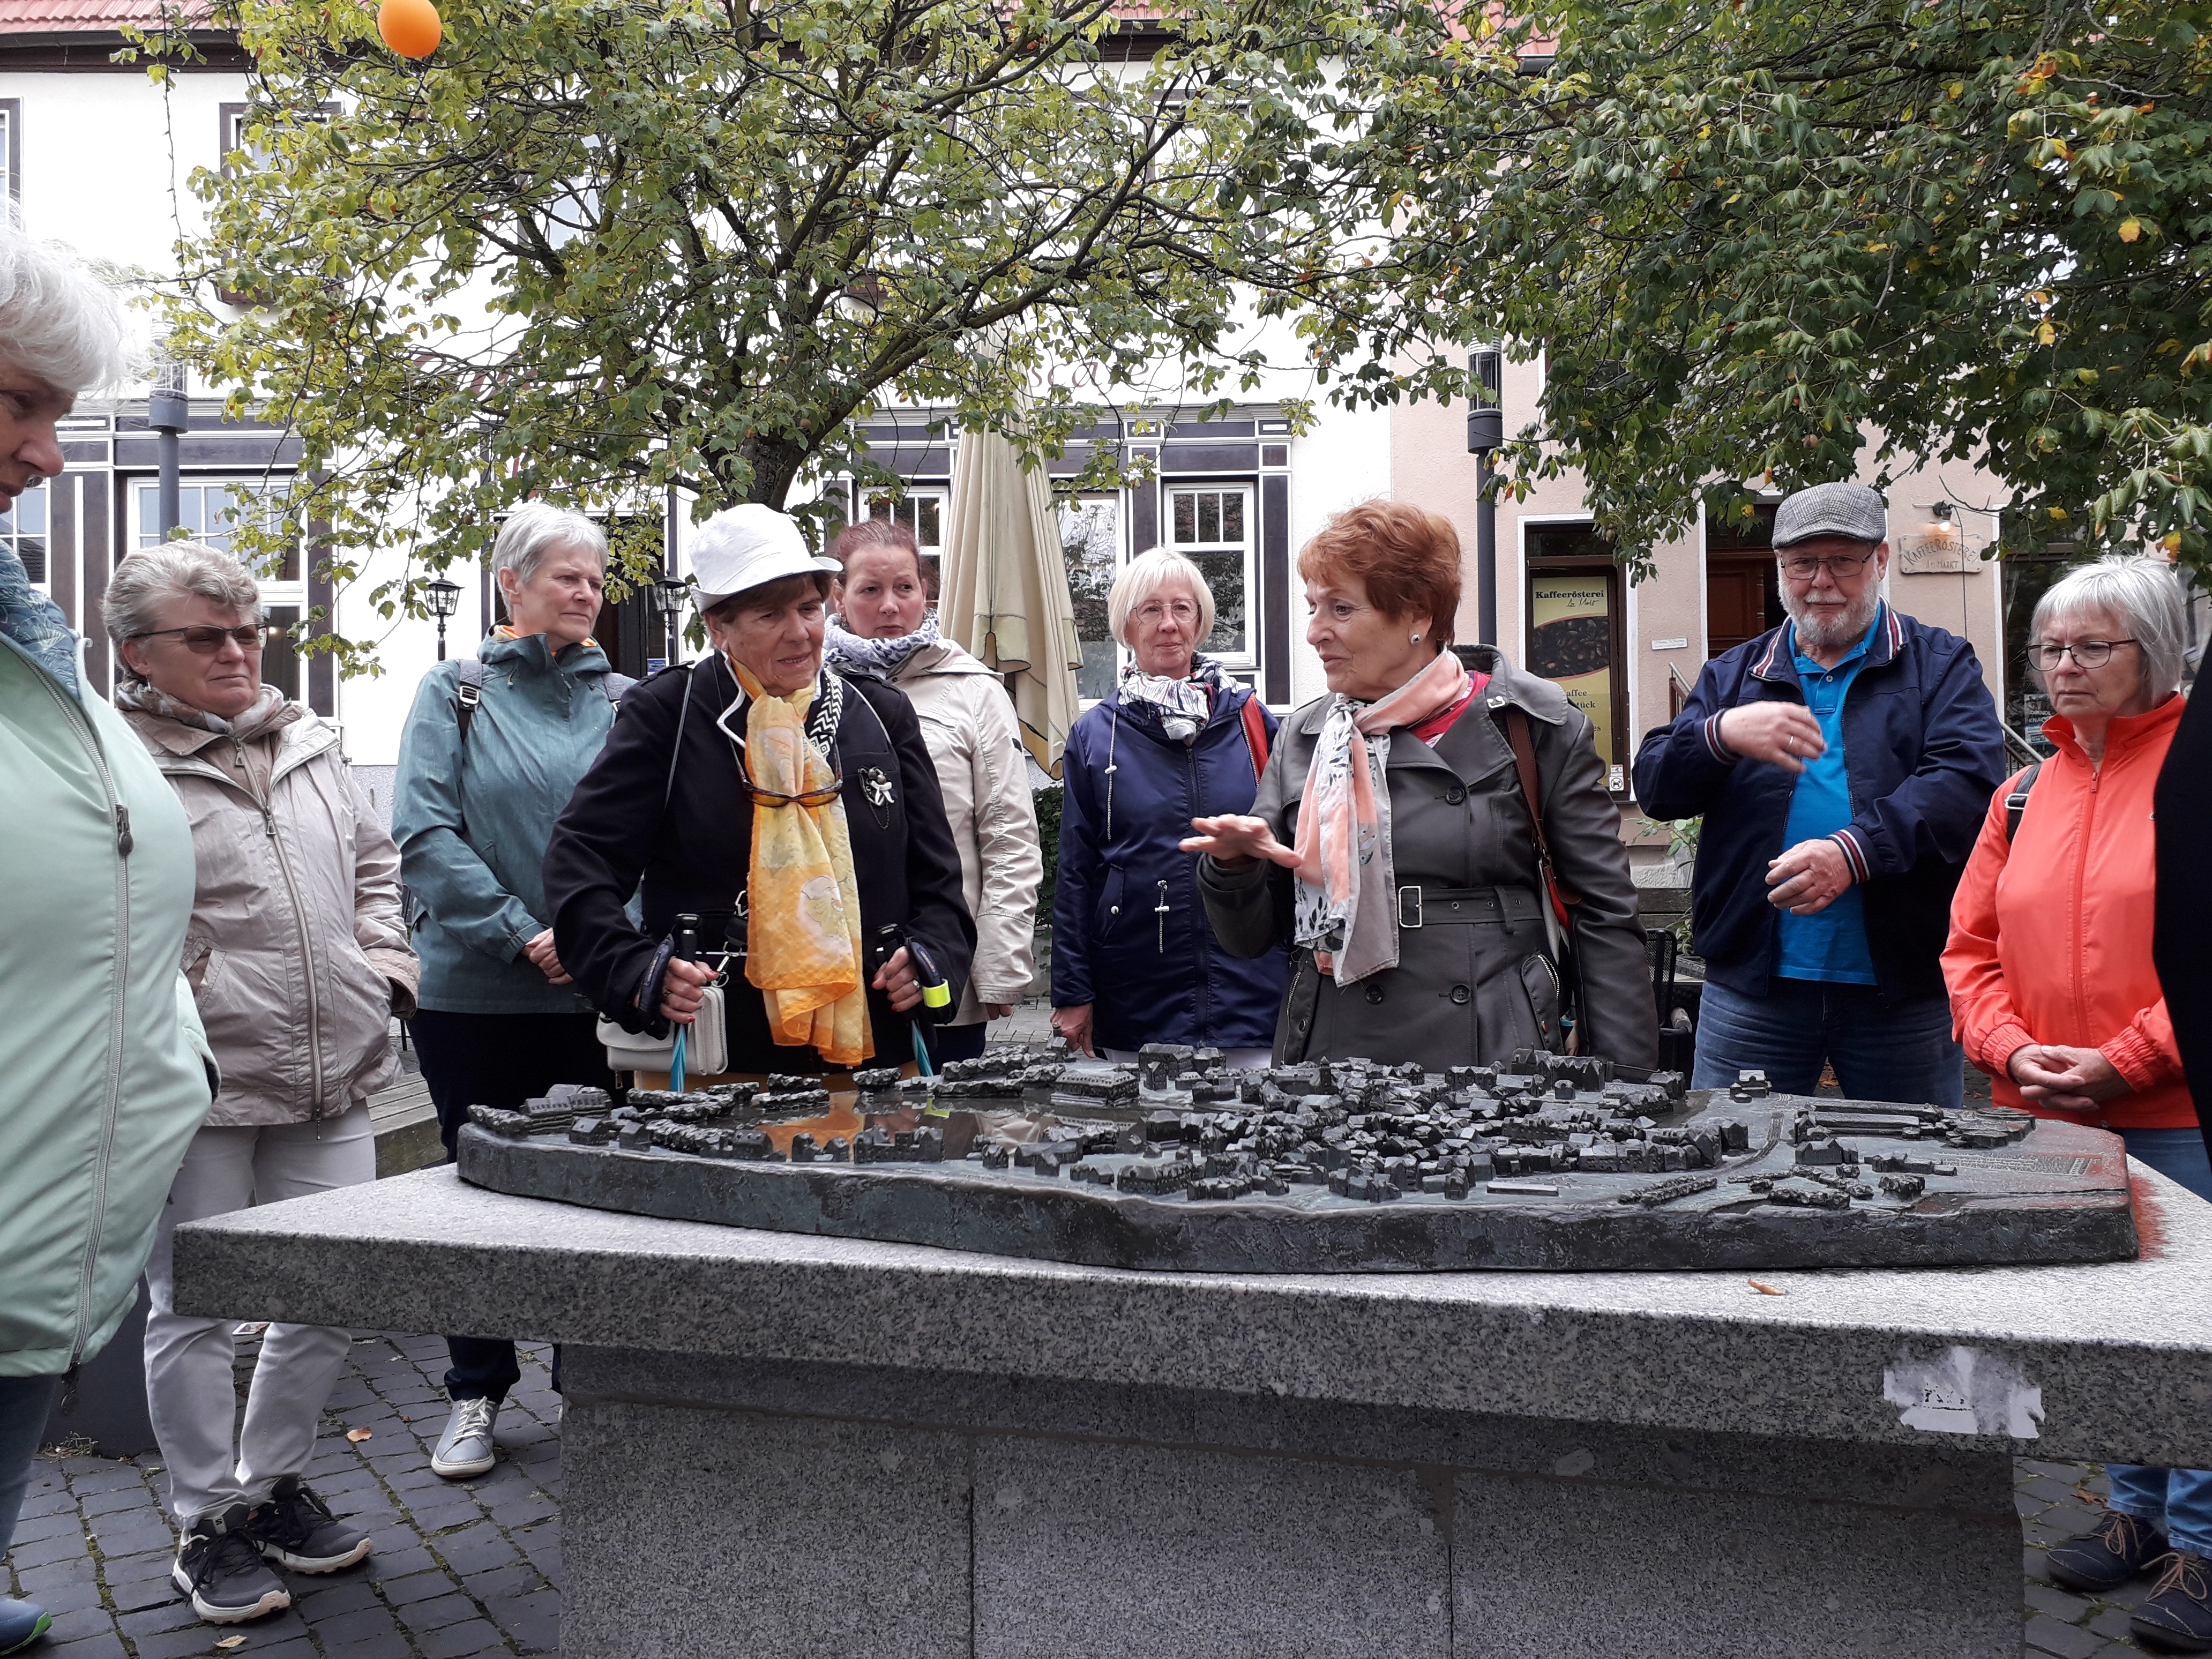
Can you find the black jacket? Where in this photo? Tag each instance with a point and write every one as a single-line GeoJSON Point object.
{"type": "Point", "coordinates": [694, 854]}
{"type": "Point", "coordinates": [1924, 753]}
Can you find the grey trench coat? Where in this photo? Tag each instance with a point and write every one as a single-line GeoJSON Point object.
{"type": "Point", "coordinates": [1474, 980]}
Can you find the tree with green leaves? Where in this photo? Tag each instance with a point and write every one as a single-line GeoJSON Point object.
{"type": "Point", "coordinates": [1754, 237]}
{"type": "Point", "coordinates": [594, 249]}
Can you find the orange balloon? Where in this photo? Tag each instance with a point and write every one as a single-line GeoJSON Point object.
{"type": "Point", "coordinates": [410, 27]}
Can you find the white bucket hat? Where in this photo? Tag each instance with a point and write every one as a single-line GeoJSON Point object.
{"type": "Point", "coordinates": [742, 548]}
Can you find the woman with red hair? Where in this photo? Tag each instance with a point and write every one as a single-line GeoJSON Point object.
{"type": "Point", "coordinates": [1433, 837]}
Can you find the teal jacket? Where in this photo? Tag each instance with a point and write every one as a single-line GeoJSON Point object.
{"type": "Point", "coordinates": [104, 1074]}
{"type": "Point", "coordinates": [472, 827]}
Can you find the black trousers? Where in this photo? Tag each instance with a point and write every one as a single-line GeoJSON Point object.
{"type": "Point", "coordinates": [498, 1060]}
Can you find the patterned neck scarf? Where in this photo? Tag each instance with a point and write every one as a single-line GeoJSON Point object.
{"type": "Point", "coordinates": [35, 622]}
{"type": "Point", "coordinates": [807, 960]}
{"type": "Point", "coordinates": [1347, 890]}
{"type": "Point", "coordinates": [875, 659]}
{"type": "Point", "coordinates": [270, 710]}
{"type": "Point", "coordinates": [1183, 706]}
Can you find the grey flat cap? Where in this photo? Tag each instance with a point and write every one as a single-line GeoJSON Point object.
{"type": "Point", "coordinates": [1831, 509]}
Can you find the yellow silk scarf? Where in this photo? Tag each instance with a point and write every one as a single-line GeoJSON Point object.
{"type": "Point", "coordinates": [804, 949]}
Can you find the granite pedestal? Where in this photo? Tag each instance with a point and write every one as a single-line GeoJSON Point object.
{"type": "Point", "coordinates": [777, 1444]}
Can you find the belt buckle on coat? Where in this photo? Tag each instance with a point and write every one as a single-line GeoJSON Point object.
{"type": "Point", "coordinates": [1420, 908]}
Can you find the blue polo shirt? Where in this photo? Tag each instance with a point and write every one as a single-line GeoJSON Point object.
{"type": "Point", "coordinates": [1831, 945]}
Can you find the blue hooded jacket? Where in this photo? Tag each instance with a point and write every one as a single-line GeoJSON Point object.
{"type": "Point", "coordinates": [1151, 977]}
{"type": "Point", "coordinates": [1924, 753]}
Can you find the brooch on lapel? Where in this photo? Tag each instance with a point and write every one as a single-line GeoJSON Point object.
{"type": "Point", "coordinates": [876, 786]}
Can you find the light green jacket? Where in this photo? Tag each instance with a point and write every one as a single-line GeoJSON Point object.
{"type": "Point", "coordinates": [104, 1073]}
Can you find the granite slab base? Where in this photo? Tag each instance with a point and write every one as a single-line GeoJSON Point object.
{"type": "Point", "coordinates": [841, 1510]}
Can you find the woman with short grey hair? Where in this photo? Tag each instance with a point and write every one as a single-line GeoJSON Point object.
{"type": "Point", "coordinates": [2056, 994]}
{"type": "Point", "coordinates": [297, 958]}
{"type": "Point", "coordinates": [91, 929]}
{"type": "Point", "coordinates": [489, 755]}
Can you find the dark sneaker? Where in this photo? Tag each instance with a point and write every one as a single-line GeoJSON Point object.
{"type": "Point", "coordinates": [219, 1568]}
{"type": "Point", "coordinates": [21, 1623]}
{"type": "Point", "coordinates": [2177, 1618]}
{"type": "Point", "coordinates": [2109, 1554]}
{"type": "Point", "coordinates": [296, 1529]}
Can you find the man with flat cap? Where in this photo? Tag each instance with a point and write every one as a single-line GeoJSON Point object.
{"type": "Point", "coordinates": [1842, 763]}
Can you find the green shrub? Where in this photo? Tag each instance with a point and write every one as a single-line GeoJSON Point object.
{"type": "Point", "coordinates": [1048, 800]}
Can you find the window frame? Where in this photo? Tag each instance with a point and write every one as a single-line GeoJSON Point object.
{"type": "Point", "coordinates": [1534, 564]}
{"type": "Point", "coordinates": [11, 537]}
{"type": "Point", "coordinates": [1248, 659]}
{"type": "Point", "coordinates": [11, 122]}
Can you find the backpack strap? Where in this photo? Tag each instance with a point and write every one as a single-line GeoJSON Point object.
{"type": "Point", "coordinates": [467, 694]}
{"type": "Point", "coordinates": [1255, 735]}
{"type": "Point", "coordinates": [617, 686]}
{"type": "Point", "coordinates": [2016, 801]}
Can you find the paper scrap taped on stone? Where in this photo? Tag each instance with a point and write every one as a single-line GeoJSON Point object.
{"type": "Point", "coordinates": [1963, 1390]}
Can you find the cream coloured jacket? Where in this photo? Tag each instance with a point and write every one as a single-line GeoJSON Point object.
{"type": "Point", "coordinates": [296, 952]}
{"type": "Point", "coordinates": [967, 721]}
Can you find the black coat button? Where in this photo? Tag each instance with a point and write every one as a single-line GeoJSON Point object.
{"type": "Point", "coordinates": [1375, 993]}
{"type": "Point", "coordinates": [1454, 795]}
{"type": "Point", "coordinates": [1460, 994]}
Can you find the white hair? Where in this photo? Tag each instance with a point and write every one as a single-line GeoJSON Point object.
{"type": "Point", "coordinates": [1146, 575]}
{"type": "Point", "coordinates": [533, 530]}
{"type": "Point", "coordinates": [2143, 596]}
{"type": "Point", "coordinates": [154, 578]}
{"type": "Point", "coordinates": [58, 321]}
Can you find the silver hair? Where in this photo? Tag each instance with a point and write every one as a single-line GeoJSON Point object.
{"type": "Point", "coordinates": [2143, 596]}
{"type": "Point", "coordinates": [150, 580]}
{"type": "Point", "coordinates": [58, 321]}
{"type": "Point", "coordinates": [533, 530]}
{"type": "Point", "coordinates": [1146, 574]}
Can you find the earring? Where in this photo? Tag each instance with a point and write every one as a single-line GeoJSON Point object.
{"type": "Point", "coordinates": [1415, 640]}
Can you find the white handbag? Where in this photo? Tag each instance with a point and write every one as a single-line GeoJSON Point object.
{"type": "Point", "coordinates": [706, 1051]}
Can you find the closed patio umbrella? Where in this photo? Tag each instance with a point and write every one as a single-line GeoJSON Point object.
{"type": "Point", "coordinates": [1004, 588]}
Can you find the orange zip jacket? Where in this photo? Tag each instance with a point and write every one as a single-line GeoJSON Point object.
{"type": "Point", "coordinates": [2051, 933]}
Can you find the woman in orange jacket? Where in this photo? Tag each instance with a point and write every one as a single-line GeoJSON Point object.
{"type": "Point", "coordinates": [2056, 995]}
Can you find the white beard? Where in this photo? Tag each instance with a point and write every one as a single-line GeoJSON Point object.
{"type": "Point", "coordinates": [1833, 627]}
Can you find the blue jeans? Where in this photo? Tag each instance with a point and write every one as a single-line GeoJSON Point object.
{"type": "Point", "coordinates": [24, 1404]}
{"type": "Point", "coordinates": [2179, 1500]}
{"type": "Point", "coordinates": [1882, 1050]}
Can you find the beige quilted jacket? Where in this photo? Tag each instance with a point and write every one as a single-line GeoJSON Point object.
{"type": "Point", "coordinates": [967, 721]}
{"type": "Point", "coordinates": [296, 951]}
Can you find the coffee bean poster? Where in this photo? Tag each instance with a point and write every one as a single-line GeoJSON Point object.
{"type": "Point", "coordinates": [1571, 642]}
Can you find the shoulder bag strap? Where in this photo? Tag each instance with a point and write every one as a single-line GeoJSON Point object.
{"type": "Point", "coordinates": [1516, 722]}
{"type": "Point", "coordinates": [467, 694]}
{"type": "Point", "coordinates": [2016, 801]}
{"type": "Point", "coordinates": [1256, 734]}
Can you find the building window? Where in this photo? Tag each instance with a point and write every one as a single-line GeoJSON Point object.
{"type": "Point", "coordinates": [23, 528]}
{"type": "Point", "coordinates": [1090, 547]}
{"type": "Point", "coordinates": [1211, 527]}
{"type": "Point", "coordinates": [210, 512]}
{"type": "Point", "coordinates": [1577, 632]}
{"type": "Point", "coordinates": [922, 509]}
{"type": "Point", "coordinates": [11, 148]}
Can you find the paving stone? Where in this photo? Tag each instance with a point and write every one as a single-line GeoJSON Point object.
{"type": "Point", "coordinates": [2046, 1634]}
{"type": "Point", "coordinates": [79, 1621]}
{"type": "Point", "coordinates": [533, 1620]}
{"type": "Point", "coordinates": [106, 1645]}
{"type": "Point", "coordinates": [416, 1586]}
{"type": "Point", "coordinates": [2062, 1605]}
{"type": "Point", "coordinates": [326, 1598]}
{"type": "Point", "coordinates": [29, 1581]}
{"type": "Point", "coordinates": [2111, 1623]}
{"type": "Point", "coordinates": [100, 1476]}
{"type": "Point", "coordinates": [476, 1549]}
{"type": "Point", "coordinates": [135, 1593]}
{"type": "Point", "coordinates": [199, 1639]}
{"type": "Point", "coordinates": [403, 1560]}
{"type": "Point", "coordinates": [68, 1598]}
{"type": "Point", "coordinates": [437, 1612]}
{"type": "Point", "coordinates": [43, 1552]}
{"type": "Point", "coordinates": [174, 1616]}
{"type": "Point", "coordinates": [358, 1626]}
{"type": "Point", "coordinates": [473, 1636]}
{"type": "Point", "coordinates": [134, 1495]}
{"type": "Point", "coordinates": [61, 1523]}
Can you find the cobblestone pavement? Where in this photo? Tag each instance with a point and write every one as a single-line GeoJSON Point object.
{"type": "Point", "coordinates": [475, 1568]}
{"type": "Point", "coordinates": [460, 1569]}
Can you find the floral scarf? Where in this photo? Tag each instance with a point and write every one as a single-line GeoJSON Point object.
{"type": "Point", "coordinates": [875, 659]}
{"type": "Point", "coordinates": [807, 961]}
{"type": "Point", "coordinates": [272, 709]}
{"type": "Point", "coordinates": [1347, 897]}
{"type": "Point", "coordinates": [35, 622]}
{"type": "Point", "coordinates": [1183, 706]}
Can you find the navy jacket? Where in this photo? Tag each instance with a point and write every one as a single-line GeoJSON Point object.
{"type": "Point", "coordinates": [1924, 753]}
{"type": "Point", "coordinates": [1107, 938]}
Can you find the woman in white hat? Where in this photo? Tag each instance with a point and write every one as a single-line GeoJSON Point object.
{"type": "Point", "coordinates": [795, 813]}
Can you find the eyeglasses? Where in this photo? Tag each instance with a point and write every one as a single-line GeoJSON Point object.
{"type": "Point", "coordinates": [206, 642]}
{"type": "Point", "coordinates": [810, 798]}
{"type": "Point", "coordinates": [2087, 653]}
{"type": "Point", "coordinates": [1804, 567]}
{"type": "Point", "coordinates": [1158, 612]}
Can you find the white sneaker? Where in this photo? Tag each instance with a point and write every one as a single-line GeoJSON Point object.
{"type": "Point", "coordinates": [464, 1450]}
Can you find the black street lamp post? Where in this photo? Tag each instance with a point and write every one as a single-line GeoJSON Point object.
{"type": "Point", "coordinates": [1485, 435]}
{"type": "Point", "coordinates": [443, 597]}
{"type": "Point", "coordinates": [668, 596]}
